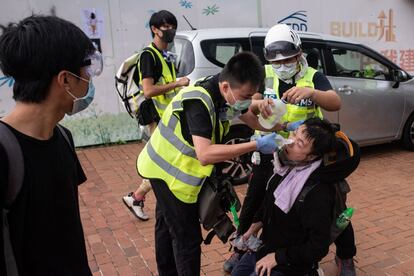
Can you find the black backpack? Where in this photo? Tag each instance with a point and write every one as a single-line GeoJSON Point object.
{"type": "Point", "coordinates": [14, 184]}
{"type": "Point", "coordinates": [216, 197]}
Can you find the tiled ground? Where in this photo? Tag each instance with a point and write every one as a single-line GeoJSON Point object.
{"type": "Point", "coordinates": [119, 244]}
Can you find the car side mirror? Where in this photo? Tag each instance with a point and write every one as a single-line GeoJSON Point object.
{"type": "Point", "coordinates": [399, 76]}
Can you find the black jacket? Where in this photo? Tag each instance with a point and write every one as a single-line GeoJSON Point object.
{"type": "Point", "coordinates": [301, 238]}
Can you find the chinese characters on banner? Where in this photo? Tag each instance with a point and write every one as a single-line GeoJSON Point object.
{"type": "Point", "coordinates": [383, 30]}
{"type": "Point", "coordinates": [403, 58]}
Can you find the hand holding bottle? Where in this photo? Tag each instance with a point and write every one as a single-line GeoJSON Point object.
{"type": "Point", "coordinates": [278, 109]}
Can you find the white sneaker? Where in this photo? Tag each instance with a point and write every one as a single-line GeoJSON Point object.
{"type": "Point", "coordinates": [136, 206]}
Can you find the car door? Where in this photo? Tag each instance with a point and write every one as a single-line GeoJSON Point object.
{"type": "Point", "coordinates": [256, 40]}
{"type": "Point", "coordinates": [371, 108]}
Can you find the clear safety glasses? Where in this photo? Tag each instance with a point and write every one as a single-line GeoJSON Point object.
{"type": "Point", "coordinates": [94, 64]}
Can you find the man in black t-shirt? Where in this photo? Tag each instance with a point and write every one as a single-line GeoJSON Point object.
{"type": "Point", "coordinates": [44, 220]}
{"type": "Point", "coordinates": [158, 81]}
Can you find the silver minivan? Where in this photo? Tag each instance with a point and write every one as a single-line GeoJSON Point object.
{"type": "Point", "coordinates": [377, 95]}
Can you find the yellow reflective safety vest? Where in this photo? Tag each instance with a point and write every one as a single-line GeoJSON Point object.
{"type": "Point", "coordinates": [169, 157]}
{"type": "Point", "coordinates": [294, 112]}
{"type": "Point", "coordinates": [167, 76]}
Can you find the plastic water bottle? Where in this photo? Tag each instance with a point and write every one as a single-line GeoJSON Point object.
{"type": "Point", "coordinates": [281, 141]}
{"type": "Point", "coordinates": [256, 155]}
{"type": "Point", "coordinates": [278, 110]}
{"type": "Point", "coordinates": [235, 216]}
{"type": "Point", "coordinates": [343, 219]}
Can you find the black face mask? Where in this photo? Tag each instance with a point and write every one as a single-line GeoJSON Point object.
{"type": "Point", "coordinates": [168, 35]}
{"type": "Point", "coordinates": [286, 162]}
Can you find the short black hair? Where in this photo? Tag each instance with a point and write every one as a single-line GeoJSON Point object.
{"type": "Point", "coordinates": [323, 135]}
{"type": "Point", "coordinates": [242, 68]}
{"type": "Point", "coordinates": [160, 18]}
{"type": "Point", "coordinates": [36, 49]}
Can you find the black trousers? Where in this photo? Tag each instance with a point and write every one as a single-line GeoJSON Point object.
{"type": "Point", "coordinates": [345, 243]}
{"type": "Point", "coordinates": [255, 191]}
{"type": "Point", "coordinates": [177, 233]}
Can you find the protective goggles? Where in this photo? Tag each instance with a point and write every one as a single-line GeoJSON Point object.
{"type": "Point", "coordinates": [93, 64]}
{"type": "Point", "coordinates": [280, 50]}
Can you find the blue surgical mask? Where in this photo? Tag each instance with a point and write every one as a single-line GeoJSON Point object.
{"type": "Point", "coordinates": [239, 104]}
{"type": "Point", "coordinates": [285, 71]}
{"type": "Point", "coordinates": [80, 104]}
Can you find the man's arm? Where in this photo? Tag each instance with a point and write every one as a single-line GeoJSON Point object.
{"type": "Point", "coordinates": [328, 100]}
{"type": "Point", "coordinates": [252, 121]}
{"type": "Point", "coordinates": [322, 95]}
{"type": "Point", "coordinates": [253, 230]}
{"type": "Point", "coordinates": [148, 71]}
{"type": "Point", "coordinates": [198, 124]}
{"type": "Point", "coordinates": [152, 90]}
{"type": "Point", "coordinates": [208, 153]}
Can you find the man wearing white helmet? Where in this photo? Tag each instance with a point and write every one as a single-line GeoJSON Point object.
{"type": "Point", "coordinates": [288, 77]}
{"type": "Point", "coordinates": [306, 89]}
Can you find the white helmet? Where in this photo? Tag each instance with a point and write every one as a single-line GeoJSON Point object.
{"type": "Point", "coordinates": [281, 42]}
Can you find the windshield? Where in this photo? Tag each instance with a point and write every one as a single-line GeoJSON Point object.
{"type": "Point", "coordinates": [185, 56]}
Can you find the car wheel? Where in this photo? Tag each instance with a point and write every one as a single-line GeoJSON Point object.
{"type": "Point", "coordinates": [408, 133]}
{"type": "Point", "coordinates": [240, 167]}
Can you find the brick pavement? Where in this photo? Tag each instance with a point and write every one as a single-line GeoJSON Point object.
{"type": "Point", "coordinates": [119, 244]}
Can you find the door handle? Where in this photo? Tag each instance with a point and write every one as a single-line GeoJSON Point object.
{"type": "Point", "coordinates": [346, 89]}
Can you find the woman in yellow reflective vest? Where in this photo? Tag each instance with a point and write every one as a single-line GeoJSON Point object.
{"type": "Point", "coordinates": [158, 81]}
{"type": "Point", "coordinates": [183, 149]}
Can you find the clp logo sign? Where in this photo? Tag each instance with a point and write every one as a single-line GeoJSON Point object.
{"type": "Point", "coordinates": [296, 21]}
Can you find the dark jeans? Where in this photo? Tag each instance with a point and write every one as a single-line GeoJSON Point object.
{"type": "Point", "coordinates": [177, 233]}
{"type": "Point", "coordinates": [247, 267]}
{"type": "Point", "coordinates": [345, 243]}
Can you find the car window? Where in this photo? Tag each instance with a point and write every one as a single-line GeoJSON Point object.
{"type": "Point", "coordinates": [354, 64]}
{"type": "Point", "coordinates": [224, 51]}
{"type": "Point", "coordinates": [185, 56]}
{"type": "Point", "coordinates": [219, 51]}
{"type": "Point", "coordinates": [313, 57]}
{"type": "Point", "coordinates": [257, 45]}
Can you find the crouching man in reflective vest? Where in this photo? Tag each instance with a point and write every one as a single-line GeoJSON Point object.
{"type": "Point", "coordinates": [183, 150]}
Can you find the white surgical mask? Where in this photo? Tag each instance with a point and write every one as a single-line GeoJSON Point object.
{"type": "Point", "coordinates": [285, 71]}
